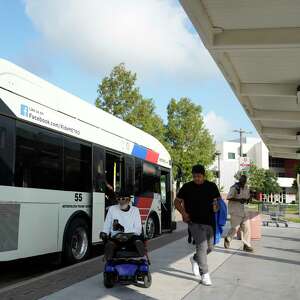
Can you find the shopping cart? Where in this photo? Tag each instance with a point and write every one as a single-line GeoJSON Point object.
{"type": "Point", "coordinates": [275, 213]}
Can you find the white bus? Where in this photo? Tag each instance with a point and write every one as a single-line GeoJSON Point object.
{"type": "Point", "coordinates": [57, 153]}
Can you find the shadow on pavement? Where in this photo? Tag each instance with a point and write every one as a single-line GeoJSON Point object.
{"type": "Point", "coordinates": [285, 250]}
{"type": "Point", "coordinates": [263, 257]}
{"type": "Point", "coordinates": [281, 237]}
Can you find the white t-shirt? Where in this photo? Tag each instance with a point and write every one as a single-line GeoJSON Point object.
{"type": "Point", "coordinates": [130, 220]}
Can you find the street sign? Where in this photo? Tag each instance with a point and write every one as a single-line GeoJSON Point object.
{"type": "Point", "coordinates": [244, 163]}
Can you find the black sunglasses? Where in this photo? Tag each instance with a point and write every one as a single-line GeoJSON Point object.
{"type": "Point", "coordinates": [124, 198]}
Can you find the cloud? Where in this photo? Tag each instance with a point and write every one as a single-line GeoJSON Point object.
{"type": "Point", "coordinates": [218, 126]}
{"type": "Point", "coordinates": [35, 59]}
{"type": "Point", "coordinates": [152, 37]}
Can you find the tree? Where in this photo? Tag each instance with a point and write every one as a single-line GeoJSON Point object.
{"type": "Point", "coordinates": [271, 185]}
{"type": "Point", "coordinates": [297, 171]}
{"type": "Point", "coordinates": [144, 117]}
{"type": "Point", "coordinates": [188, 141]}
{"type": "Point", "coordinates": [119, 95]}
{"type": "Point", "coordinates": [261, 180]}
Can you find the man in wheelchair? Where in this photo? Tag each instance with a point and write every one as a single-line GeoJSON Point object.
{"type": "Point", "coordinates": [123, 230]}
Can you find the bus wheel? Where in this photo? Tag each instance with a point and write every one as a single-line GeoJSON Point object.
{"type": "Point", "coordinates": [151, 227]}
{"type": "Point", "coordinates": [77, 245]}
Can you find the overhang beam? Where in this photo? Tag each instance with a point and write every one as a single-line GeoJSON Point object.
{"type": "Point", "coordinates": [273, 115]}
{"type": "Point", "coordinates": [284, 143]}
{"type": "Point", "coordinates": [275, 149]}
{"type": "Point", "coordinates": [285, 155]}
{"type": "Point", "coordinates": [269, 90]}
{"type": "Point", "coordinates": [250, 39]}
{"type": "Point", "coordinates": [279, 132]}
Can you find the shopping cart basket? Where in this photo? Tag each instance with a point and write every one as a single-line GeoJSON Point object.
{"type": "Point", "coordinates": [275, 213]}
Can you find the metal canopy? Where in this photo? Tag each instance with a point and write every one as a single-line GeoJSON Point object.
{"type": "Point", "coordinates": [256, 44]}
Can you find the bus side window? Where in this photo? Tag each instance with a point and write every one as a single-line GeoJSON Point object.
{"type": "Point", "coordinates": [7, 141]}
{"type": "Point", "coordinates": [150, 179]}
{"type": "Point", "coordinates": [39, 161]}
{"type": "Point", "coordinates": [77, 165]}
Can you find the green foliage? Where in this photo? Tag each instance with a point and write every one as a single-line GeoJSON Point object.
{"type": "Point", "coordinates": [271, 185]}
{"type": "Point", "coordinates": [144, 117]}
{"type": "Point", "coordinates": [261, 180]}
{"type": "Point", "coordinates": [211, 176]}
{"type": "Point", "coordinates": [184, 135]}
{"type": "Point", "coordinates": [119, 95]}
{"type": "Point", "coordinates": [297, 171]}
{"type": "Point", "coordinates": [188, 141]}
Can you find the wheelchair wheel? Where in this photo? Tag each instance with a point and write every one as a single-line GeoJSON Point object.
{"type": "Point", "coordinates": [108, 280]}
{"type": "Point", "coordinates": [147, 280]}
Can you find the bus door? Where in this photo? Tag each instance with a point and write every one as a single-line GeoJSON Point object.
{"type": "Point", "coordinates": [114, 177]}
{"type": "Point", "coordinates": [129, 175]}
{"type": "Point", "coordinates": [166, 205]}
{"type": "Point", "coordinates": [98, 197]}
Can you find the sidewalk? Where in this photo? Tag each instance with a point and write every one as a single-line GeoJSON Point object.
{"type": "Point", "coordinates": [172, 277]}
{"type": "Point", "coordinates": [273, 272]}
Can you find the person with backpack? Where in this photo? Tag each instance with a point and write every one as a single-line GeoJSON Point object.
{"type": "Point", "coordinates": [197, 203]}
{"type": "Point", "coordinates": [238, 196]}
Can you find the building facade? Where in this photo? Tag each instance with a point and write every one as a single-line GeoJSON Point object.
{"type": "Point", "coordinates": [255, 151]}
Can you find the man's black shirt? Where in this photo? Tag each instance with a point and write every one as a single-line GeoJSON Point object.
{"type": "Point", "coordinates": [198, 201]}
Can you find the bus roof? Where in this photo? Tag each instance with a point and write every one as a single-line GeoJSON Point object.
{"type": "Point", "coordinates": [30, 86]}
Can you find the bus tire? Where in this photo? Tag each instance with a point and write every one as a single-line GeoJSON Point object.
{"type": "Point", "coordinates": [151, 227]}
{"type": "Point", "coordinates": [77, 244]}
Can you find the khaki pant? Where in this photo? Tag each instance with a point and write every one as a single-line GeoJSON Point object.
{"type": "Point", "coordinates": [242, 222]}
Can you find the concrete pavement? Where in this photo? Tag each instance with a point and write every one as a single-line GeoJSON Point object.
{"type": "Point", "coordinates": [171, 276]}
{"type": "Point", "coordinates": [272, 272]}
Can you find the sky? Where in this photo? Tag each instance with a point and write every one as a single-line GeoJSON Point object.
{"type": "Point", "coordinates": [75, 43]}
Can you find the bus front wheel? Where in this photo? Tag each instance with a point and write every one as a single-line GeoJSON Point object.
{"type": "Point", "coordinates": [77, 246]}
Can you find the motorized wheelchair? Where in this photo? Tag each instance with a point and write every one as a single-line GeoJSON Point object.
{"type": "Point", "coordinates": [127, 266]}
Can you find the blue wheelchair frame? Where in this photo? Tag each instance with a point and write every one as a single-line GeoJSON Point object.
{"type": "Point", "coordinates": [128, 268]}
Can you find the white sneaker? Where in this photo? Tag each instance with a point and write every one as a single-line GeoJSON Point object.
{"type": "Point", "coordinates": [195, 267]}
{"type": "Point", "coordinates": [205, 280]}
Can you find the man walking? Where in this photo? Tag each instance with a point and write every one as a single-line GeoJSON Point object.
{"type": "Point", "coordinates": [239, 194]}
{"type": "Point", "coordinates": [196, 203]}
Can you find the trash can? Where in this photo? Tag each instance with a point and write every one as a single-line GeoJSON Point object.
{"type": "Point", "coordinates": [255, 224]}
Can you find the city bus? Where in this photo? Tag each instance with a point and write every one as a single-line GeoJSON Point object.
{"type": "Point", "coordinates": [58, 154]}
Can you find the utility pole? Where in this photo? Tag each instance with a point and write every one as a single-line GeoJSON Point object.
{"type": "Point", "coordinates": [242, 132]}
